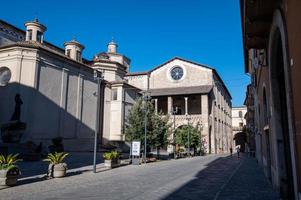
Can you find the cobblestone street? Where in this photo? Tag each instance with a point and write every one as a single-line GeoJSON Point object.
{"type": "Point", "coordinates": [209, 177]}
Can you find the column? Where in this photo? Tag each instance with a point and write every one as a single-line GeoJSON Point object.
{"type": "Point", "coordinates": [170, 147]}
{"type": "Point", "coordinates": [156, 106]}
{"type": "Point", "coordinates": [63, 99]}
{"type": "Point", "coordinates": [186, 105]}
{"type": "Point", "coordinates": [169, 105]}
{"type": "Point", "coordinates": [205, 119]}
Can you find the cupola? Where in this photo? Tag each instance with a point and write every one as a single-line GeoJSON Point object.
{"type": "Point", "coordinates": [112, 47]}
{"type": "Point", "coordinates": [74, 49]}
{"type": "Point", "coordinates": [35, 31]}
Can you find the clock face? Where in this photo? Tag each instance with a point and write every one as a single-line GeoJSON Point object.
{"type": "Point", "coordinates": [177, 73]}
{"type": "Point", "coordinates": [5, 75]}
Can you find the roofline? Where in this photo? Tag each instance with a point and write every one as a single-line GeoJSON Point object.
{"type": "Point", "coordinates": [124, 83]}
{"type": "Point", "coordinates": [199, 64]}
{"type": "Point", "coordinates": [242, 21]}
{"type": "Point", "coordinates": [44, 41]}
{"type": "Point", "coordinates": [137, 73]}
{"type": "Point", "coordinates": [41, 47]}
{"type": "Point", "coordinates": [239, 107]}
{"type": "Point", "coordinates": [182, 59]}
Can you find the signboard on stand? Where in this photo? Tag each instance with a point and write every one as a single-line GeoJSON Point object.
{"type": "Point", "coordinates": [136, 145]}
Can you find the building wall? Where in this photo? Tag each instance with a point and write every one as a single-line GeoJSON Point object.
{"type": "Point", "coordinates": [236, 119]}
{"type": "Point", "coordinates": [139, 81]}
{"type": "Point", "coordinates": [193, 76]}
{"type": "Point", "coordinates": [57, 97]}
{"type": "Point", "coordinates": [215, 117]}
{"type": "Point", "coordinates": [292, 15]}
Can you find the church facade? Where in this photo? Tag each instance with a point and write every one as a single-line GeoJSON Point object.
{"type": "Point", "coordinates": [61, 95]}
{"type": "Point", "coordinates": [191, 93]}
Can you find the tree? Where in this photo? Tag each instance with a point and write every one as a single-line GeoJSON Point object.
{"type": "Point", "coordinates": [194, 134]}
{"type": "Point", "coordinates": [160, 128]}
{"type": "Point", "coordinates": [157, 125]}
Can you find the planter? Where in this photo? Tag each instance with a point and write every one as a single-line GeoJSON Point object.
{"type": "Point", "coordinates": [9, 177]}
{"type": "Point", "coordinates": [112, 163]}
{"type": "Point", "coordinates": [57, 170]}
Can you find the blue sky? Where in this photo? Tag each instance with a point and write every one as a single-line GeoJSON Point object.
{"type": "Point", "coordinates": [149, 32]}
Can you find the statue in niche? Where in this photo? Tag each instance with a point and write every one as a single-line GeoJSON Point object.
{"type": "Point", "coordinates": [17, 113]}
{"type": "Point", "coordinates": [12, 131]}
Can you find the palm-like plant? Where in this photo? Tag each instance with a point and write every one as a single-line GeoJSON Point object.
{"type": "Point", "coordinates": [56, 158]}
{"type": "Point", "coordinates": [9, 161]}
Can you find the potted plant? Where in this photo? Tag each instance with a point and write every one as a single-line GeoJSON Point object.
{"type": "Point", "coordinates": [57, 168]}
{"type": "Point", "coordinates": [9, 172]}
{"type": "Point", "coordinates": [111, 159]}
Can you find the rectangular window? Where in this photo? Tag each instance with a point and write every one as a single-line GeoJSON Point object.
{"type": "Point", "coordinates": [68, 52]}
{"type": "Point", "coordinates": [39, 36]}
{"type": "Point", "coordinates": [78, 56]}
{"type": "Point", "coordinates": [114, 95]}
{"type": "Point", "coordinates": [29, 34]}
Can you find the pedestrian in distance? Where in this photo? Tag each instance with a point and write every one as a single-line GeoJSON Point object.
{"type": "Point", "coordinates": [231, 151]}
{"type": "Point", "coordinates": [237, 150]}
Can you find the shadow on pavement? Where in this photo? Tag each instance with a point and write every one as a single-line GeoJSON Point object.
{"type": "Point", "coordinates": [212, 180]}
{"type": "Point", "coordinates": [207, 182]}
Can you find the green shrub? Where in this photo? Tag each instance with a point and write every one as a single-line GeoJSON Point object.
{"type": "Point", "coordinates": [111, 155]}
{"type": "Point", "coordinates": [56, 158]}
{"type": "Point", "coordinates": [8, 162]}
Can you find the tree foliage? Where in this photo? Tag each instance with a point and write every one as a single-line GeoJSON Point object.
{"type": "Point", "coordinates": [157, 125]}
{"type": "Point", "coordinates": [188, 134]}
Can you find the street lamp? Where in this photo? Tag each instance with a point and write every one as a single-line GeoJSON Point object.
{"type": "Point", "coordinates": [174, 112]}
{"type": "Point", "coordinates": [99, 79]}
{"type": "Point", "coordinates": [146, 98]}
{"type": "Point", "coordinates": [188, 119]}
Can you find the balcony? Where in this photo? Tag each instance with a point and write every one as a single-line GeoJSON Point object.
{"type": "Point", "coordinates": [183, 119]}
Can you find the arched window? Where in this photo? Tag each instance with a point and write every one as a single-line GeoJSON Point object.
{"type": "Point", "coordinates": [240, 114]}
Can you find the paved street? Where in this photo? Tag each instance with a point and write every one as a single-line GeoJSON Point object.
{"type": "Point", "coordinates": [209, 177]}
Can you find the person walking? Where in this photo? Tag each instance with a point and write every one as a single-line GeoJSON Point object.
{"type": "Point", "coordinates": [231, 150]}
{"type": "Point", "coordinates": [238, 150]}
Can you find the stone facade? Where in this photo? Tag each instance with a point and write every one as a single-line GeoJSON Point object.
{"type": "Point", "coordinates": [271, 36]}
{"type": "Point", "coordinates": [238, 119]}
{"type": "Point", "coordinates": [199, 96]}
{"type": "Point", "coordinates": [59, 91]}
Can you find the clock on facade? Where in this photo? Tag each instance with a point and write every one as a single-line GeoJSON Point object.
{"type": "Point", "coordinates": [177, 73]}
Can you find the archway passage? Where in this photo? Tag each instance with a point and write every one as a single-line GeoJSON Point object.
{"type": "Point", "coordinates": [240, 139]}
{"type": "Point", "coordinates": [280, 115]}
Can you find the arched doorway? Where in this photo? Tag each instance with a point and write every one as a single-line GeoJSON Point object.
{"type": "Point", "coordinates": [280, 99]}
{"type": "Point", "coordinates": [240, 139]}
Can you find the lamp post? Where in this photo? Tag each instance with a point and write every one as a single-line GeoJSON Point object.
{"type": "Point", "coordinates": [188, 119]}
{"type": "Point", "coordinates": [174, 112]}
{"type": "Point", "coordinates": [201, 127]}
{"type": "Point", "coordinates": [146, 98]}
{"type": "Point", "coordinates": [99, 79]}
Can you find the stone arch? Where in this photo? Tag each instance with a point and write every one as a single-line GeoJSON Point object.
{"type": "Point", "coordinates": [281, 107]}
{"type": "Point", "coordinates": [240, 139]}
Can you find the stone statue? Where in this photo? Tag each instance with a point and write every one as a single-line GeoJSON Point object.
{"type": "Point", "coordinates": [17, 113]}
{"type": "Point", "coordinates": [12, 131]}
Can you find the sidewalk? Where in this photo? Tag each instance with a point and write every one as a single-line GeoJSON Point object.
{"type": "Point", "coordinates": [248, 182]}
{"type": "Point", "coordinates": [78, 163]}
